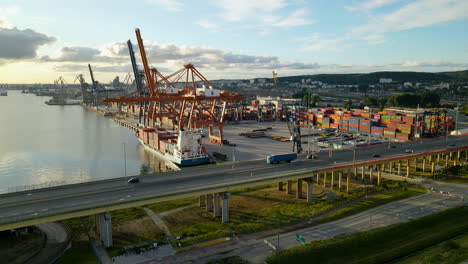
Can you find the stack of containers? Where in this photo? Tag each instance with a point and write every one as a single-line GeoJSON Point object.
{"type": "Point", "coordinates": [344, 124]}
{"type": "Point", "coordinates": [364, 126]}
{"type": "Point", "coordinates": [318, 119]}
{"type": "Point", "coordinates": [326, 122]}
{"type": "Point", "coordinates": [377, 131]}
{"type": "Point", "coordinates": [353, 125]}
{"type": "Point", "coordinates": [389, 132]}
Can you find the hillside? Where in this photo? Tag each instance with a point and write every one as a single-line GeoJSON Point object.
{"type": "Point", "coordinates": [374, 77]}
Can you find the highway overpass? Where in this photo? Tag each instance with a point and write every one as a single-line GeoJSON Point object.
{"type": "Point", "coordinates": [216, 181]}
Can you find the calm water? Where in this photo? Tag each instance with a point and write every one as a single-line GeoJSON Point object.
{"type": "Point", "coordinates": [43, 145]}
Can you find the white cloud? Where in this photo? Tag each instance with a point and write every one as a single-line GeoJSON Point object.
{"type": "Point", "coordinates": [208, 25]}
{"type": "Point", "coordinates": [429, 64]}
{"type": "Point", "coordinates": [170, 5]}
{"type": "Point", "coordinates": [296, 18]}
{"type": "Point", "coordinates": [418, 14]}
{"type": "Point", "coordinates": [370, 4]}
{"type": "Point", "coordinates": [10, 10]}
{"type": "Point", "coordinates": [238, 10]}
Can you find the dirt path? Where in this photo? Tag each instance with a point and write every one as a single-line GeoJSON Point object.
{"type": "Point", "coordinates": [159, 222]}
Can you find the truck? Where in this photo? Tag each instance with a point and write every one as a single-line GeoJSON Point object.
{"type": "Point", "coordinates": [271, 159]}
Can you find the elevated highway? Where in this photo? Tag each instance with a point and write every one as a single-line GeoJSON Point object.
{"type": "Point", "coordinates": [63, 202]}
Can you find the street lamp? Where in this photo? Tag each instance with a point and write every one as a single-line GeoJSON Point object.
{"type": "Point", "coordinates": [125, 159]}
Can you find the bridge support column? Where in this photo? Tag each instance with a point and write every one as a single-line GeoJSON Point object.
{"type": "Point", "coordinates": [348, 176]}
{"type": "Point", "coordinates": [446, 161]}
{"type": "Point", "coordinates": [399, 168]}
{"type": "Point", "coordinates": [318, 178]}
{"type": "Point", "coordinates": [217, 207]}
{"type": "Point", "coordinates": [225, 198]}
{"type": "Point", "coordinates": [324, 179]}
{"type": "Point", "coordinates": [104, 228]}
{"type": "Point", "coordinates": [457, 158]}
{"type": "Point", "coordinates": [379, 173]}
{"type": "Point", "coordinates": [209, 202]}
{"type": "Point", "coordinates": [332, 183]}
{"type": "Point", "coordinates": [371, 173]}
{"type": "Point", "coordinates": [424, 164]}
{"type": "Point", "coordinates": [363, 171]}
{"type": "Point", "coordinates": [415, 164]}
{"type": "Point", "coordinates": [438, 158]}
{"type": "Point", "coordinates": [355, 173]}
{"type": "Point", "coordinates": [201, 201]}
{"type": "Point", "coordinates": [299, 189]}
{"type": "Point", "coordinates": [340, 176]}
{"type": "Point", "coordinates": [432, 165]}
{"type": "Point", "coordinates": [391, 167]}
{"type": "Point", "coordinates": [289, 187]}
{"type": "Point", "coordinates": [310, 188]}
{"type": "Point", "coordinates": [407, 168]}
{"type": "Point", "coordinates": [280, 186]}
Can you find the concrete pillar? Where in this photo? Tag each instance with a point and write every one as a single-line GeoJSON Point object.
{"type": "Point", "coordinates": [399, 168]}
{"type": "Point", "coordinates": [391, 167]}
{"type": "Point", "coordinates": [280, 186]}
{"type": "Point", "coordinates": [299, 189]}
{"type": "Point", "coordinates": [289, 187]}
{"type": "Point", "coordinates": [310, 186]}
{"type": "Point", "coordinates": [407, 168]}
{"type": "Point", "coordinates": [104, 228]}
{"type": "Point", "coordinates": [415, 164]}
{"type": "Point", "coordinates": [332, 184]}
{"type": "Point", "coordinates": [348, 176]}
{"type": "Point", "coordinates": [379, 174]}
{"type": "Point", "coordinates": [371, 173]}
{"type": "Point", "coordinates": [446, 161]}
{"type": "Point", "coordinates": [325, 179]}
{"type": "Point", "coordinates": [355, 173]}
{"type": "Point", "coordinates": [318, 178]}
{"type": "Point", "coordinates": [363, 173]}
{"type": "Point", "coordinates": [438, 158]}
{"type": "Point", "coordinates": [424, 164]}
{"type": "Point", "coordinates": [456, 158]}
{"type": "Point", "coordinates": [432, 166]}
{"type": "Point", "coordinates": [225, 198]}
{"type": "Point", "coordinates": [201, 201]}
{"type": "Point", "coordinates": [217, 207]}
{"type": "Point", "coordinates": [209, 202]}
{"type": "Point", "coordinates": [340, 176]}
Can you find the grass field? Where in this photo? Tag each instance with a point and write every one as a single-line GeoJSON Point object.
{"type": "Point", "coordinates": [383, 244]}
{"type": "Point", "coordinates": [452, 251]}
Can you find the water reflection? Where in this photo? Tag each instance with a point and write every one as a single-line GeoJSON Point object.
{"type": "Point", "coordinates": [43, 145]}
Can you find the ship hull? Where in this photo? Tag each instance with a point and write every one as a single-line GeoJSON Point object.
{"type": "Point", "coordinates": [176, 161]}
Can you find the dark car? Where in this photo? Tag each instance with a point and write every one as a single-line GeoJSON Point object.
{"type": "Point", "coordinates": [451, 145]}
{"type": "Point", "coordinates": [133, 180]}
{"type": "Point", "coordinates": [376, 156]}
{"type": "Point", "coordinates": [312, 156]}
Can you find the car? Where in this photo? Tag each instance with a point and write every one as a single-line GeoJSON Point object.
{"type": "Point", "coordinates": [451, 145]}
{"type": "Point", "coordinates": [393, 146]}
{"type": "Point", "coordinates": [133, 180]}
{"type": "Point", "coordinates": [409, 151]}
{"type": "Point", "coordinates": [376, 156]}
{"type": "Point", "coordinates": [312, 156]}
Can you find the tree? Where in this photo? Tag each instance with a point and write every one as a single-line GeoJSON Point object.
{"type": "Point", "coordinates": [314, 100]}
{"type": "Point", "coordinates": [363, 88]}
{"type": "Point", "coordinates": [348, 105]}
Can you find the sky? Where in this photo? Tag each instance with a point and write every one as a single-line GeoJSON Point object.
{"type": "Point", "coordinates": [230, 39]}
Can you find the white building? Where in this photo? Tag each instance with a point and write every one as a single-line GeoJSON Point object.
{"type": "Point", "coordinates": [385, 80]}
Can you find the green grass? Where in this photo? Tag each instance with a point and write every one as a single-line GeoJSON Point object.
{"type": "Point", "coordinates": [166, 206]}
{"type": "Point", "coordinates": [452, 251]}
{"type": "Point", "coordinates": [80, 253]}
{"type": "Point", "coordinates": [262, 210]}
{"type": "Point", "coordinates": [382, 244]}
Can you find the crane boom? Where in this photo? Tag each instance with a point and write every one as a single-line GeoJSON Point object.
{"type": "Point", "coordinates": [139, 84]}
{"type": "Point", "coordinates": [149, 77]}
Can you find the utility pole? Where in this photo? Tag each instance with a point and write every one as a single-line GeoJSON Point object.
{"type": "Point", "coordinates": [456, 119]}
{"type": "Point", "coordinates": [125, 159]}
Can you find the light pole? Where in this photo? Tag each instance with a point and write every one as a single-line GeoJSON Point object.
{"type": "Point", "coordinates": [125, 159]}
{"type": "Point", "coordinates": [456, 119]}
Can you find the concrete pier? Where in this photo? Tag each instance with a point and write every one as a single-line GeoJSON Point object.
{"type": "Point", "coordinates": [299, 189]}
{"type": "Point", "coordinates": [332, 184]}
{"type": "Point", "coordinates": [289, 187]}
{"type": "Point", "coordinates": [379, 174]}
{"type": "Point", "coordinates": [407, 168]}
{"type": "Point", "coordinates": [225, 198]}
{"type": "Point", "coordinates": [310, 188]}
{"type": "Point", "coordinates": [424, 164]}
{"type": "Point", "coordinates": [201, 201]}
{"type": "Point", "coordinates": [399, 168]}
{"type": "Point", "coordinates": [325, 179]}
{"type": "Point", "coordinates": [371, 173]}
{"type": "Point", "coordinates": [280, 186]}
{"type": "Point", "coordinates": [348, 177]}
{"type": "Point", "coordinates": [363, 171]}
{"type": "Point", "coordinates": [340, 176]}
{"type": "Point", "coordinates": [209, 202]}
{"type": "Point", "coordinates": [104, 228]}
{"type": "Point", "coordinates": [217, 207]}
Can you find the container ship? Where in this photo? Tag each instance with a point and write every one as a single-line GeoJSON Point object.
{"type": "Point", "coordinates": [182, 148]}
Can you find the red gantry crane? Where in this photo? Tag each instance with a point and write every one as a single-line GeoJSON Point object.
{"type": "Point", "coordinates": [183, 100]}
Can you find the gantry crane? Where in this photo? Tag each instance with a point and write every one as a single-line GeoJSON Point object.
{"type": "Point", "coordinates": [190, 107]}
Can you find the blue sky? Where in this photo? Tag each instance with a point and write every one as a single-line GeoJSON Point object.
{"type": "Point", "coordinates": [232, 39]}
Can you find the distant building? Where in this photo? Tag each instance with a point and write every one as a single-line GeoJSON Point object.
{"type": "Point", "coordinates": [261, 80]}
{"type": "Point", "coordinates": [252, 81]}
{"type": "Point", "coordinates": [385, 80]}
{"type": "Point", "coordinates": [408, 84]}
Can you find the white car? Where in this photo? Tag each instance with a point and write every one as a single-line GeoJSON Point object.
{"type": "Point", "coordinates": [409, 151]}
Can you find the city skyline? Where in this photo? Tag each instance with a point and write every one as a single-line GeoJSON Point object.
{"type": "Point", "coordinates": [231, 39]}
